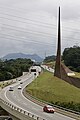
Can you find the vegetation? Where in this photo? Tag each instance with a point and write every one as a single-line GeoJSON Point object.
{"type": "Point", "coordinates": [71, 57]}
{"type": "Point", "coordinates": [50, 59]}
{"type": "Point", "coordinates": [13, 68]}
{"type": "Point", "coordinates": [56, 91]}
{"type": "Point", "coordinates": [77, 74]}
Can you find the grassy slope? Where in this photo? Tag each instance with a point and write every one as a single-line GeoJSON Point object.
{"type": "Point", "coordinates": [51, 89]}
{"type": "Point", "coordinates": [77, 75]}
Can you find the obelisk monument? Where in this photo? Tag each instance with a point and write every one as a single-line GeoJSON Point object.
{"type": "Point", "coordinates": [58, 57]}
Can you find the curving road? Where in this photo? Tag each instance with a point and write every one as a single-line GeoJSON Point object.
{"type": "Point", "coordinates": [16, 98]}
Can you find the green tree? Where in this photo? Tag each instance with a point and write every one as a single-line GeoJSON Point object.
{"type": "Point", "coordinates": [50, 59]}
{"type": "Point", "coordinates": [13, 68]}
{"type": "Point", "coordinates": [71, 57]}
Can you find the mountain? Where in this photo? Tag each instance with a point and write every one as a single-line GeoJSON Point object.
{"type": "Point", "coordinates": [33, 57]}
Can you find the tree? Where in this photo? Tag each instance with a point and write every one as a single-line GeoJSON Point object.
{"type": "Point", "coordinates": [71, 57]}
{"type": "Point", "coordinates": [50, 58]}
{"type": "Point", "coordinates": [13, 68]}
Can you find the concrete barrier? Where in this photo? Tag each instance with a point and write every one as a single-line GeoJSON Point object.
{"type": "Point", "coordinates": [19, 113]}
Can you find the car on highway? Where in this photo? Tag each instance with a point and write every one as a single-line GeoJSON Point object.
{"type": "Point", "coordinates": [21, 82]}
{"type": "Point", "coordinates": [49, 109]}
{"type": "Point", "coordinates": [19, 87]}
{"type": "Point", "coordinates": [11, 88]}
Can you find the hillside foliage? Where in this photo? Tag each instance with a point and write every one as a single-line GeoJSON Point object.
{"type": "Point", "coordinates": [50, 58]}
{"type": "Point", "coordinates": [13, 68]}
{"type": "Point", "coordinates": [53, 90]}
{"type": "Point", "coordinates": [71, 57]}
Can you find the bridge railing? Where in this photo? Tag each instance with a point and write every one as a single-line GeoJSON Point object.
{"type": "Point", "coordinates": [20, 111]}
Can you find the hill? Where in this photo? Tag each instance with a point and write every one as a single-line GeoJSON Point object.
{"type": "Point", "coordinates": [54, 90]}
{"type": "Point", "coordinates": [50, 59]}
{"type": "Point", "coordinates": [34, 57]}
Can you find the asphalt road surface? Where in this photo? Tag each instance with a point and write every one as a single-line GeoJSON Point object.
{"type": "Point", "coordinates": [16, 98]}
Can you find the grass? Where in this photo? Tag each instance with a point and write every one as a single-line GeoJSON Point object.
{"type": "Point", "coordinates": [4, 84]}
{"type": "Point", "coordinates": [52, 89]}
{"type": "Point", "coordinates": [77, 75]}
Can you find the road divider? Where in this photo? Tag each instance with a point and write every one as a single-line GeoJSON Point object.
{"type": "Point", "coordinates": [21, 114]}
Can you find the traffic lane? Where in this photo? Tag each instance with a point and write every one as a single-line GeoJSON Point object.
{"type": "Point", "coordinates": [23, 79]}
{"type": "Point", "coordinates": [25, 104]}
{"type": "Point", "coordinates": [37, 111]}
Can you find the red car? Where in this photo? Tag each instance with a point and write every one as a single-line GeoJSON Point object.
{"type": "Point", "coordinates": [48, 108]}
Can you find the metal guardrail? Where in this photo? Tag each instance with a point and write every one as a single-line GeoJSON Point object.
{"type": "Point", "coordinates": [44, 102]}
{"type": "Point", "coordinates": [59, 109]}
{"type": "Point", "coordinates": [30, 114]}
{"type": "Point", "coordinates": [34, 117]}
{"type": "Point", "coordinates": [69, 110]}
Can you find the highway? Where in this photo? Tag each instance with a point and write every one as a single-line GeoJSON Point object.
{"type": "Point", "coordinates": [16, 98]}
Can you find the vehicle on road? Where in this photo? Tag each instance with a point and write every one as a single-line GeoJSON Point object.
{"type": "Point", "coordinates": [21, 82]}
{"type": "Point", "coordinates": [48, 109]}
{"type": "Point", "coordinates": [11, 88]}
{"type": "Point", "coordinates": [19, 87]}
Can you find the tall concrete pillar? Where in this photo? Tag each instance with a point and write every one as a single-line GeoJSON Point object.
{"type": "Point", "coordinates": [58, 57]}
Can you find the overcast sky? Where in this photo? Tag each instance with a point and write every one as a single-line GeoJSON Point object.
{"type": "Point", "coordinates": [30, 26]}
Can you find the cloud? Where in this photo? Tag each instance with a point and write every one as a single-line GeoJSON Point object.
{"type": "Point", "coordinates": [31, 25]}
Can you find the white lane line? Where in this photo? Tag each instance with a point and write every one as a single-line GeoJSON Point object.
{"type": "Point", "coordinates": [5, 94]}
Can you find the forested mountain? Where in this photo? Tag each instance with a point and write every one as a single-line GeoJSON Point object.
{"type": "Point", "coordinates": [21, 55]}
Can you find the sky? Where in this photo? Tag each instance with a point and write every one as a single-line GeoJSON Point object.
{"type": "Point", "coordinates": [30, 26]}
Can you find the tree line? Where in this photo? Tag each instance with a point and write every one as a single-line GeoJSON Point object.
{"type": "Point", "coordinates": [13, 68]}
{"type": "Point", "coordinates": [70, 57]}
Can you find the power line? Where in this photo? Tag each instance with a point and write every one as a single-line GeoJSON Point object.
{"type": "Point", "coordinates": [19, 10]}
{"type": "Point", "coordinates": [38, 32]}
{"type": "Point", "coordinates": [30, 20]}
{"type": "Point", "coordinates": [36, 22]}
{"type": "Point", "coordinates": [24, 40]}
{"type": "Point", "coordinates": [69, 29]}
{"type": "Point", "coordinates": [23, 10]}
{"type": "Point", "coordinates": [70, 38]}
{"type": "Point", "coordinates": [19, 29]}
{"type": "Point", "coordinates": [41, 34]}
{"type": "Point", "coordinates": [27, 30]}
{"type": "Point", "coordinates": [33, 20]}
{"type": "Point", "coordinates": [10, 37]}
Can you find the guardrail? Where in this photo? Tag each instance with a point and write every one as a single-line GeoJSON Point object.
{"type": "Point", "coordinates": [6, 105]}
{"type": "Point", "coordinates": [69, 110]}
{"type": "Point", "coordinates": [9, 82]}
{"type": "Point", "coordinates": [59, 109]}
{"type": "Point", "coordinates": [20, 111]}
{"type": "Point", "coordinates": [6, 83]}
